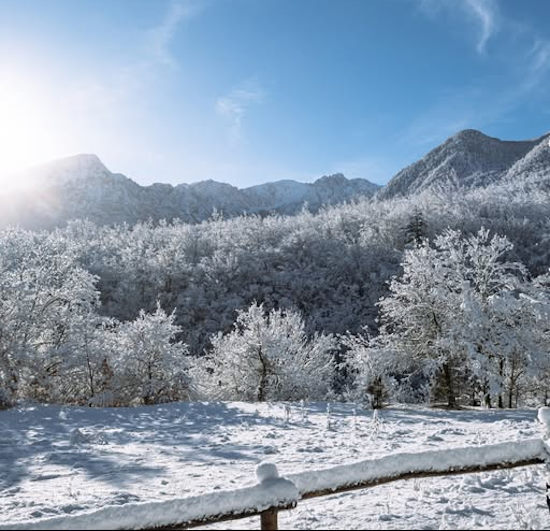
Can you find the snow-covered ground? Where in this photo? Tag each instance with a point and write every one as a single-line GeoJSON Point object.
{"type": "Point", "coordinates": [64, 460]}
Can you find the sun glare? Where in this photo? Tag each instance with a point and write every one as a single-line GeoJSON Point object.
{"type": "Point", "coordinates": [27, 131]}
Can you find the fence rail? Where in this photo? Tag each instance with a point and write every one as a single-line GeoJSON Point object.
{"type": "Point", "coordinates": [269, 517]}
{"type": "Point", "coordinates": [274, 494]}
{"type": "Point", "coordinates": [424, 474]}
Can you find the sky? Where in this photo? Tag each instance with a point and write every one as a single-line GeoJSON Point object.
{"type": "Point", "coordinates": [251, 91]}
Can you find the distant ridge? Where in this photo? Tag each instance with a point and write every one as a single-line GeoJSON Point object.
{"type": "Point", "coordinates": [82, 187]}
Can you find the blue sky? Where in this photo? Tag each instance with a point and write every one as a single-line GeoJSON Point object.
{"type": "Point", "coordinates": [249, 91]}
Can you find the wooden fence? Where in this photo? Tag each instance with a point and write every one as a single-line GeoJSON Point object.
{"type": "Point", "coordinates": [269, 516]}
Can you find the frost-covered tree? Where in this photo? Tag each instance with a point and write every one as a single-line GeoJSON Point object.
{"type": "Point", "coordinates": [44, 295]}
{"type": "Point", "coordinates": [267, 356]}
{"type": "Point", "coordinates": [493, 315]}
{"type": "Point", "coordinates": [370, 365]}
{"type": "Point", "coordinates": [451, 312]}
{"type": "Point", "coordinates": [86, 372]}
{"type": "Point", "coordinates": [418, 317]}
{"type": "Point", "coordinates": [150, 365]}
{"type": "Point", "coordinates": [537, 374]}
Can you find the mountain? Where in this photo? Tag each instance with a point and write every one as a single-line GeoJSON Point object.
{"type": "Point", "coordinates": [288, 197]}
{"type": "Point", "coordinates": [82, 187]}
{"type": "Point", "coordinates": [471, 159]}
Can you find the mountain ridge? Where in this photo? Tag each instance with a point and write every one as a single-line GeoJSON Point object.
{"type": "Point", "coordinates": [81, 186]}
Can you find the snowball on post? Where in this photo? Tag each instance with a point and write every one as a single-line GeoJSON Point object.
{"type": "Point", "coordinates": [266, 471]}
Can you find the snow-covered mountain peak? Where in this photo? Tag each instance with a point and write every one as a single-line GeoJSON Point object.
{"type": "Point", "coordinates": [82, 165]}
{"type": "Point", "coordinates": [335, 178]}
{"type": "Point", "coordinates": [465, 160]}
{"type": "Point", "coordinates": [81, 186]}
{"type": "Point", "coordinates": [70, 169]}
{"type": "Point", "coordinates": [470, 135]}
{"type": "Point", "coordinates": [211, 186]}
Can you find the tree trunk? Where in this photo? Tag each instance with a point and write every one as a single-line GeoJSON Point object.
{"type": "Point", "coordinates": [263, 376]}
{"type": "Point", "coordinates": [90, 373]}
{"type": "Point", "coordinates": [501, 374]}
{"type": "Point", "coordinates": [448, 375]}
{"type": "Point", "coordinates": [147, 399]}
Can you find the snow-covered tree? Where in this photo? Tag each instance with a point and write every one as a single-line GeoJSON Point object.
{"type": "Point", "coordinates": [267, 356]}
{"type": "Point", "coordinates": [492, 314]}
{"type": "Point", "coordinates": [415, 230]}
{"type": "Point", "coordinates": [370, 365]}
{"type": "Point", "coordinates": [151, 366]}
{"type": "Point", "coordinates": [451, 312]}
{"type": "Point", "coordinates": [44, 295]}
{"type": "Point", "coordinates": [536, 376]}
{"type": "Point", "coordinates": [418, 318]}
{"type": "Point", "coordinates": [86, 373]}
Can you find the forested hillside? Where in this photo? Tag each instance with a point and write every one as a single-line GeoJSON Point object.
{"type": "Point", "coordinates": [123, 314]}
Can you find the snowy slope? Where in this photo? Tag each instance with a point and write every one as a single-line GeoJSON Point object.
{"type": "Point", "coordinates": [57, 461]}
{"type": "Point", "coordinates": [534, 168]}
{"type": "Point", "coordinates": [466, 160]}
{"type": "Point", "coordinates": [82, 187]}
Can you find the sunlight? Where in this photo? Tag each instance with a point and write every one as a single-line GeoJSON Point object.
{"type": "Point", "coordinates": [27, 132]}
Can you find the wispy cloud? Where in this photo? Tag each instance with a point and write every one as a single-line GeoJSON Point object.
{"type": "Point", "coordinates": [124, 84]}
{"type": "Point", "coordinates": [160, 37]}
{"type": "Point", "coordinates": [484, 14]}
{"type": "Point", "coordinates": [538, 63]}
{"type": "Point", "coordinates": [235, 105]}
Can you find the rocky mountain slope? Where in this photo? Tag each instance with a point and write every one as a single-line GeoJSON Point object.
{"type": "Point", "coordinates": [471, 159]}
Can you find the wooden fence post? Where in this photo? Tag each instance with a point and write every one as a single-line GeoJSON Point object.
{"type": "Point", "coordinates": [269, 520]}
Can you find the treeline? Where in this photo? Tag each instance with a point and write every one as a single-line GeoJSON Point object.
{"type": "Point", "coordinates": [377, 298]}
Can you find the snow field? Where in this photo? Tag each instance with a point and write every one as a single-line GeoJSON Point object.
{"type": "Point", "coordinates": [158, 453]}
